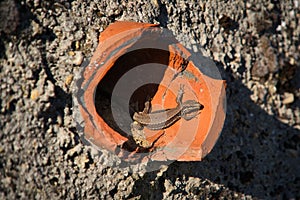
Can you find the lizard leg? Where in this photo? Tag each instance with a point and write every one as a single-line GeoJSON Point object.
{"type": "Point", "coordinates": [180, 95]}
{"type": "Point", "coordinates": [147, 108]}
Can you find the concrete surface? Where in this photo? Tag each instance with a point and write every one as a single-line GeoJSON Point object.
{"type": "Point", "coordinates": [254, 43]}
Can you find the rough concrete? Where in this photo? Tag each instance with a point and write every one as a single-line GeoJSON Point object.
{"type": "Point", "coordinates": [256, 47]}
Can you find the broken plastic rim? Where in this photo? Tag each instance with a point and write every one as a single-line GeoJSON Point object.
{"type": "Point", "coordinates": [135, 62]}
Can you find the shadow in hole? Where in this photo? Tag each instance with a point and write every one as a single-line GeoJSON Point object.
{"type": "Point", "coordinates": [142, 80]}
{"type": "Point", "coordinates": [138, 70]}
{"type": "Point", "coordinates": [256, 154]}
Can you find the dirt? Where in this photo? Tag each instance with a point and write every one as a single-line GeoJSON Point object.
{"type": "Point", "coordinates": [256, 46]}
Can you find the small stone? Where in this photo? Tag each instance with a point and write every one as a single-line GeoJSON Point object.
{"type": "Point", "coordinates": [34, 94]}
{"type": "Point", "coordinates": [29, 74]}
{"type": "Point", "coordinates": [272, 89]}
{"type": "Point", "coordinates": [78, 58]}
{"type": "Point", "coordinates": [203, 40]}
{"type": "Point", "coordinates": [74, 150]}
{"type": "Point", "coordinates": [284, 121]}
{"type": "Point", "coordinates": [77, 44]}
{"type": "Point", "coordinates": [7, 181]}
{"type": "Point", "coordinates": [64, 138]}
{"type": "Point", "coordinates": [260, 68]}
{"type": "Point", "coordinates": [162, 170]}
{"type": "Point", "coordinates": [292, 61]}
{"type": "Point", "coordinates": [81, 161]}
{"type": "Point", "coordinates": [288, 98]}
{"type": "Point", "coordinates": [168, 187]}
{"type": "Point", "coordinates": [10, 81]}
{"type": "Point", "coordinates": [36, 29]}
{"type": "Point", "coordinates": [270, 6]}
{"type": "Point", "coordinates": [155, 2]}
{"type": "Point", "coordinates": [262, 92]}
{"type": "Point", "coordinates": [59, 120]}
{"type": "Point", "coordinates": [69, 79]}
{"type": "Point", "coordinates": [71, 53]}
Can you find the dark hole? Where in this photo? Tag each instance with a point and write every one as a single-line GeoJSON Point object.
{"type": "Point", "coordinates": [157, 61]}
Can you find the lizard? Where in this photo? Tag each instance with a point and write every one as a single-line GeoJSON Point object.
{"type": "Point", "coordinates": [162, 119]}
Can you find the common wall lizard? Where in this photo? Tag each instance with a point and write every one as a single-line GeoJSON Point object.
{"type": "Point", "coordinates": [162, 119]}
